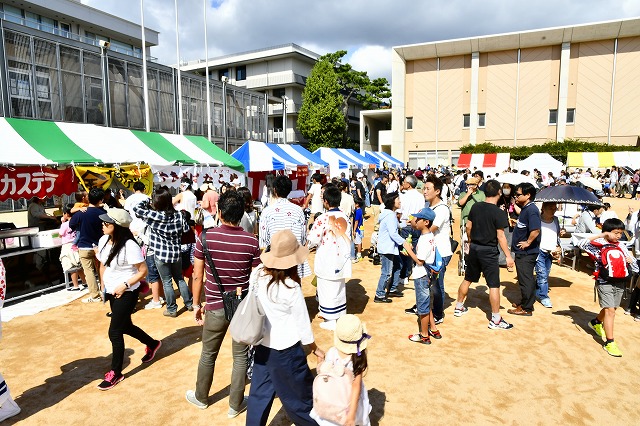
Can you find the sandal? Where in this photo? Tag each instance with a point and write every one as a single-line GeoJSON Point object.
{"type": "Point", "coordinates": [435, 334]}
{"type": "Point", "coordinates": [419, 338]}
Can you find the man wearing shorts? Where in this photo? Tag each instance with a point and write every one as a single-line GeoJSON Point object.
{"type": "Point", "coordinates": [485, 229]}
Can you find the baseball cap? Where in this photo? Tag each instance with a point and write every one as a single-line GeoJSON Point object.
{"type": "Point", "coordinates": [425, 213]}
{"type": "Point", "coordinates": [117, 216]}
{"type": "Point", "coordinates": [359, 175]}
{"type": "Point", "coordinates": [472, 181]}
{"type": "Point", "coordinates": [418, 173]}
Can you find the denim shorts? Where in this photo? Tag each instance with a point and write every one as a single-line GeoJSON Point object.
{"type": "Point", "coordinates": [423, 294]}
{"type": "Point", "coordinates": [152, 270]}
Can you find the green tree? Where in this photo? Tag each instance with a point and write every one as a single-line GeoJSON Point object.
{"type": "Point", "coordinates": [320, 119]}
{"type": "Point", "coordinates": [357, 85]}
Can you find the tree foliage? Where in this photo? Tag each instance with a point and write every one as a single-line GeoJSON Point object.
{"type": "Point", "coordinates": [356, 85]}
{"type": "Point", "coordinates": [557, 150]}
{"type": "Point", "coordinates": [320, 119]}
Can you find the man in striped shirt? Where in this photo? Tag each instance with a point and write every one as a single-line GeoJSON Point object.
{"type": "Point", "coordinates": [283, 214]}
{"type": "Point", "coordinates": [233, 252]}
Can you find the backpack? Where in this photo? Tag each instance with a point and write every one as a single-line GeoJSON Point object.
{"type": "Point", "coordinates": [332, 390]}
{"type": "Point", "coordinates": [437, 264]}
{"type": "Point", "coordinates": [613, 264]}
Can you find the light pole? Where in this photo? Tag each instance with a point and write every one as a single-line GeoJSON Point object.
{"type": "Point", "coordinates": [224, 79]}
{"type": "Point", "coordinates": [284, 118]}
{"type": "Point", "coordinates": [104, 45]}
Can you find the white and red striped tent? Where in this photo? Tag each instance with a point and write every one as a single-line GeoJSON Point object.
{"type": "Point", "coordinates": [490, 164]}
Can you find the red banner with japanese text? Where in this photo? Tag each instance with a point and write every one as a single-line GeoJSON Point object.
{"type": "Point", "coordinates": [35, 181]}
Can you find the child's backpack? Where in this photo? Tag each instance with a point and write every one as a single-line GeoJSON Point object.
{"type": "Point", "coordinates": [437, 264]}
{"type": "Point", "coordinates": [612, 265]}
{"type": "Point", "coordinates": [332, 390]}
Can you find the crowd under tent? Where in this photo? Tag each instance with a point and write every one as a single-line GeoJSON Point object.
{"type": "Point", "coordinates": [490, 164]}
{"type": "Point", "coordinates": [380, 159]}
{"type": "Point", "coordinates": [541, 161]}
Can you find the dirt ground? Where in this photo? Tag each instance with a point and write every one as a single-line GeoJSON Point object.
{"type": "Point", "coordinates": [549, 369]}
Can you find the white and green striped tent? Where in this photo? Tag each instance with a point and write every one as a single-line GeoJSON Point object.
{"type": "Point", "coordinates": [33, 142]}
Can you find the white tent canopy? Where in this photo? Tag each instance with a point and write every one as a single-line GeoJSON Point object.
{"type": "Point", "coordinates": [541, 161]}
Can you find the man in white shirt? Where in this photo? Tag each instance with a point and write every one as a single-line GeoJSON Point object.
{"type": "Point", "coordinates": [137, 225]}
{"type": "Point", "coordinates": [441, 229]}
{"type": "Point", "coordinates": [411, 202]}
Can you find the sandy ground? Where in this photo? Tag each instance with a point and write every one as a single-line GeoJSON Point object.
{"type": "Point", "coordinates": [549, 369]}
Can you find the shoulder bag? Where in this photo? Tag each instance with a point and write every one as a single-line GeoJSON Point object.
{"type": "Point", "coordinates": [230, 299]}
{"type": "Point", "coordinates": [454, 243]}
{"type": "Point", "coordinates": [247, 324]}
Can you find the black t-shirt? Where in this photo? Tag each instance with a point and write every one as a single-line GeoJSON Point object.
{"type": "Point", "coordinates": [383, 191]}
{"type": "Point", "coordinates": [359, 187]}
{"type": "Point", "coordinates": [486, 219]}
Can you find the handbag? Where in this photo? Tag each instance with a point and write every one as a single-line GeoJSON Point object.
{"type": "Point", "coordinates": [198, 216]}
{"type": "Point", "coordinates": [247, 324]}
{"type": "Point", "coordinates": [230, 299]}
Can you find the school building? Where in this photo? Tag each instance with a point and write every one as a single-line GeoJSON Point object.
{"type": "Point", "coordinates": [513, 89]}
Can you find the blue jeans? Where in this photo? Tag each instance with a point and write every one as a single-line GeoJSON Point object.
{"type": "Point", "coordinates": [543, 267]}
{"type": "Point", "coordinates": [438, 290]}
{"type": "Point", "coordinates": [389, 274]}
{"type": "Point", "coordinates": [170, 272]}
{"type": "Point", "coordinates": [423, 294]}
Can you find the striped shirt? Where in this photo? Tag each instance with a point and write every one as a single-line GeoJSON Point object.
{"type": "Point", "coordinates": [283, 214]}
{"type": "Point", "coordinates": [234, 252]}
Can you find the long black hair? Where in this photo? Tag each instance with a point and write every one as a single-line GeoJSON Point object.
{"type": "Point", "coordinates": [359, 362]}
{"type": "Point", "coordinates": [118, 240]}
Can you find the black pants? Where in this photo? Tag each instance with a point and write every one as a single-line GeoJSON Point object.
{"type": "Point", "coordinates": [121, 324]}
{"type": "Point", "coordinates": [633, 300]}
{"type": "Point", "coordinates": [525, 265]}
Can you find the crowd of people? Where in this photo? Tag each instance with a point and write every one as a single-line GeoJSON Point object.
{"type": "Point", "coordinates": [210, 240]}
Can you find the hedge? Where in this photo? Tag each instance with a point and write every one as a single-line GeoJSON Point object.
{"type": "Point", "coordinates": [557, 150]}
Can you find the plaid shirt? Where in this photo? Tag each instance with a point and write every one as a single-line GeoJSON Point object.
{"type": "Point", "coordinates": [166, 231]}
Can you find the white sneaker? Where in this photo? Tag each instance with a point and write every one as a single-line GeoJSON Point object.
{"type": "Point", "coordinates": [154, 305]}
{"type": "Point", "coordinates": [8, 409]}
{"type": "Point", "coordinates": [191, 397]}
{"type": "Point", "coordinates": [92, 300]}
{"type": "Point", "coordinates": [232, 414]}
{"type": "Point", "coordinates": [328, 325]}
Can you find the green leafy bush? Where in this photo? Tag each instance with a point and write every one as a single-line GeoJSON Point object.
{"type": "Point", "coordinates": [557, 150]}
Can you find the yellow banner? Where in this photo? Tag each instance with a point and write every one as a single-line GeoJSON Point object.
{"type": "Point", "coordinates": [126, 175]}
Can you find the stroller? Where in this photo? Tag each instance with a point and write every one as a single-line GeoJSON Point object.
{"type": "Point", "coordinates": [464, 250]}
{"type": "Point", "coordinates": [373, 248]}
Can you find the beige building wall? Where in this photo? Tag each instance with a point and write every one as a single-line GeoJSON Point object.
{"type": "Point", "coordinates": [534, 93]}
{"type": "Point", "coordinates": [595, 66]}
{"type": "Point", "coordinates": [626, 99]}
{"type": "Point", "coordinates": [450, 102]}
{"type": "Point", "coordinates": [421, 102]}
{"type": "Point", "coordinates": [501, 88]}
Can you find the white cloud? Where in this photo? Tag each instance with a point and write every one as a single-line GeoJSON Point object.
{"type": "Point", "coordinates": [375, 60]}
{"type": "Point", "coordinates": [366, 28]}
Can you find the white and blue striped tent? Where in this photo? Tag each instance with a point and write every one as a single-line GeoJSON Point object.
{"type": "Point", "coordinates": [263, 157]}
{"type": "Point", "coordinates": [341, 159]}
{"type": "Point", "coordinates": [379, 158]}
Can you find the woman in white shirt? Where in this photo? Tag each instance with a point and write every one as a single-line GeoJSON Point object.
{"type": "Point", "coordinates": [122, 266]}
{"type": "Point", "coordinates": [280, 363]}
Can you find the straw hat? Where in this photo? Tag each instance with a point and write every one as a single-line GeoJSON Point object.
{"type": "Point", "coordinates": [472, 181]}
{"type": "Point", "coordinates": [285, 251]}
{"type": "Point", "coordinates": [351, 335]}
{"type": "Point", "coordinates": [117, 216]}
{"type": "Point", "coordinates": [207, 186]}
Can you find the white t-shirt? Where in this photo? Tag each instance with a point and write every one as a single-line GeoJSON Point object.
{"type": "Point", "coordinates": [425, 250]}
{"type": "Point", "coordinates": [548, 236]}
{"type": "Point", "coordinates": [188, 203]}
{"type": "Point", "coordinates": [316, 199]}
{"type": "Point", "coordinates": [137, 225]}
{"type": "Point", "coordinates": [122, 267]}
{"type": "Point", "coordinates": [443, 222]}
{"type": "Point", "coordinates": [411, 202]}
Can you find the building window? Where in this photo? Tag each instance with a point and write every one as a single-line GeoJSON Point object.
{"type": "Point", "coordinates": [223, 73]}
{"type": "Point", "coordinates": [241, 73]}
{"type": "Point", "coordinates": [571, 115]}
{"type": "Point", "coordinates": [278, 93]}
{"type": "Point", "coordinates": [409, 123]}
{"type": "Point", "coordinates": [466, 121]}
{"type": "Point", "coordinates": [481, 119]}
{"type": "Point", "coordinates": [553, 116]}
{"type": "Point", "coordinates": [65, 29]}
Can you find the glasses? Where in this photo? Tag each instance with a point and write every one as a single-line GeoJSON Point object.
{"type": "Point", "coordinates": [106, 223]}
{"type": "Point", "coordinates": [518, 194]}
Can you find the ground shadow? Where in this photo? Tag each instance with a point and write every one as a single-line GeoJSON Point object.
{"type": "Point", "coordinates": [79, 373]}
{"type": "Point", "coordinates": [73, 376]}
{"type": "Point", "coordinates": [580, 318]}
{"type": "Point", "coordinates": [559, 282]}
{"type": "Point", "coordinates": [377, 399]}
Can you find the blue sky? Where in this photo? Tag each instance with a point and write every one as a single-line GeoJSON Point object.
{"type": "Point", "coordinates": [367, 29]}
